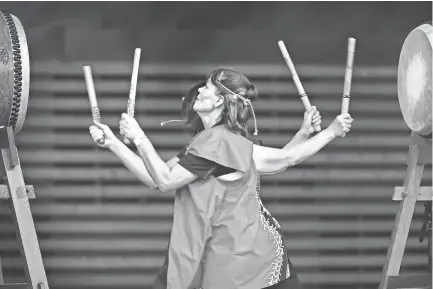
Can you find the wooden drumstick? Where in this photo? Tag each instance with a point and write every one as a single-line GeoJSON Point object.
{"type": "Point", "coordinates": [296, 79]}
{"type": "Point", "coordinates": [133, 88]}
{"type": "Point", "coordinates": [92, 97]}
{"type": "Point", "coordinates": [348, 75]}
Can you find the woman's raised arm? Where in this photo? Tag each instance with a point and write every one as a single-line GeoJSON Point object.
{"type": "Point", "coordinates": [131, 161]}
{"type": "Point", "coordinates": [272, 161]}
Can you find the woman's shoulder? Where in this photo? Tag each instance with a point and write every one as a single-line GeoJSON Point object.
{"type": "Point", "coordinates": [255, 140]}
{"type": "Point", "coordinates": [220, 133]}
{"type": "Point", "coordinates": [222, 146]}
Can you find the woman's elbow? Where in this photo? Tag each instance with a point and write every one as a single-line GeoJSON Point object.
{"type": "Point", "coordinates": [164, 188]}
{"type": "Point", "coordinates": [148, 183]}
{"type": "Point", "coordinates": [294, 162]}
{"type": "Point", "coordinates": [285, 160]}
{"type": "Point", "coordinates": [291, 161]}
{"type": "Point", "coordinates": [272, 168]}
{"type": "Point", "coordinates": [159, 188]}
{"type": "Point", "coordinates": [150, 186]}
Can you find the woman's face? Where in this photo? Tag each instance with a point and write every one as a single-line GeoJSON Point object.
{"type": "Point", "coordinates": [207, 99]}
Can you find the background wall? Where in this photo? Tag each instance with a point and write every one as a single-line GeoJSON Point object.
{"type": "Point", "coordinates": [98, 227]}
{"type": "Point", "coordinates": [314, 32]}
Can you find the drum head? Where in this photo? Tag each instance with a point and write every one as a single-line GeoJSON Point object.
{"type": "Point", "coordinates": [14, 72]}
{"type": "Point", "coordinates": [415, 80]}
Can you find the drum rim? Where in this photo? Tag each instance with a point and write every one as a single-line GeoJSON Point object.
{"type": "Point", "coordinates": [25, 69]}
{"type": "Point", "coordinates": [17, 70]}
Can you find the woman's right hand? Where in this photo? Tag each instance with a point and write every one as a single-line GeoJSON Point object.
{"type": "Point", "coordinates": [100, 131]}
{"type": "Point", "coordinates": [341, 125]}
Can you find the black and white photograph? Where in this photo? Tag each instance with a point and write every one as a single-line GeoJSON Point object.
{"type": "Point", "coordinates": [216, 144]}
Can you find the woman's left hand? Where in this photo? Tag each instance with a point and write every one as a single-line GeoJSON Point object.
{"type": "Point", "coordinates": [129, 127]}
{"type": "Point", "coordinates": [312, 119]}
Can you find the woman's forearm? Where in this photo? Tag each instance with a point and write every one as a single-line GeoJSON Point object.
{"type": "Point", "coordinates": [299, 138]}
{"type": "Point", "coordinates": [167, 177]}
{"type": "Point", "coordinates": [299, 152]}
{"type": "Point", "coordinates": [157, 168]}
{"type": "Point", "coordinates": [134, 163]}
{"type": "Point", "coordinates": [270, 161]}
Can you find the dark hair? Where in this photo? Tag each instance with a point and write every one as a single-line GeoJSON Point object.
{"type": "Point", "coordinates": [235, 113]}
{"type": "Point", "coordinates": [191, 117]}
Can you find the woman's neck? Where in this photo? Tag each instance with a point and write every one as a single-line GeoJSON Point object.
{"type": "Point", "coordinates": [210, 119]}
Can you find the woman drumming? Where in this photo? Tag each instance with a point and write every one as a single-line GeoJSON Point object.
{"type": "Point", "coordinates": [220, 225]}
{"type": "Point", "coordinates": [192, 119]}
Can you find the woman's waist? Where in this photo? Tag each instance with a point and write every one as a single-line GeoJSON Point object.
{"type": "Point", "coordinates": [249, 269]}
{"type": "Point", "coordinates": [253, 243]}
{"type": "Point", "coordinates": [244, 228]}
